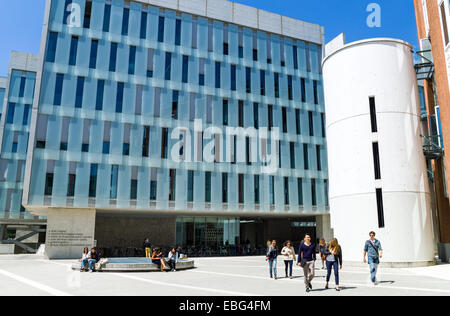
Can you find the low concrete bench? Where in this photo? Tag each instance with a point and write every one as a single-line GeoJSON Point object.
{"type": "Point", "coordinates": [136, 265]}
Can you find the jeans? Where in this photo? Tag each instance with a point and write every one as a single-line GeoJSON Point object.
{"type": "Point", "coordinates": [84, 263]}
{"type": "Point", "coordinates": [308, 271]}
{"type": "Point", "coordinates": [333, 265]}
{"type": "Point", "coordinates": [373, 264]}
{"type": "Point", "coordinates": [288, 264]}
{"type": "Point", "coordinates": [273, 266]}
{"type": "Point", "coordinates": [92, 263]}
{"type": "Point", "coordinates": [172, 264]}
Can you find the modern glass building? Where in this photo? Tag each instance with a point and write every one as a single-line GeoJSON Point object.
{"type": "Point", "coordinates": [199, 123]}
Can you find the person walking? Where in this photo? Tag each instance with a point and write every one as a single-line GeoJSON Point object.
{"type": "Point", "coordinates": [322, 251]}
{"type": "Point", "coordinates": [374, 252]}
{"type": "Point", "coordinates": [148, 248]}
{"type": "Point", "coordinates": [289, 256]}
{"type": "Point", "coordinates": [306, 260]}
{"type": "Point", "coordinates": [272, 254]}
{"type": "Point", "coordinates": [334, 261]}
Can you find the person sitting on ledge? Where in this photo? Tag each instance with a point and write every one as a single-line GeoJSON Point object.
{"type": "Point", "coordinates": [93, 259]}
{"type": "Point", "coordinates": [157, 258]}
{"type": "Point", "coordinates": [84, 259]}
{"type": "Point", "coordinates": [172, 260]}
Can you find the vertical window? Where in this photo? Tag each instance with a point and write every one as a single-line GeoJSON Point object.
{"type": "Point", "coordinates": [270, 116]}
{"type": "Point", "coordinates": [311, 123]}
{"type": "Point", "coordinates": [208, 187]}
{"type": "Point", "coordinates": [210, 37]}
{"type": "Point", "coordinates": [73, 51]}
{"type": "Point", "coordinates": [48, 184]}
{"type": "Point", "coordinates": [327, 199]}
{"type": "Point", "coordinates": [262, 82]}
{"type": "Point", "coordinates": [14, 147]}
{"type": "Point", "coordinates": [380, 208]}
{"type": "Point", "coordinates": [201, 72]}
{"type": "Point", "coordinates": [256, 115]}
{"type": "Point", "coordinates": [376, 160]}
{"type": "Point", "coordinates": [313, 192]}
{"type": "Point", "coordinates": [175, 95]}
{"type": "Point", "coordinates": [292, 153]}
{"type": "Point", "coordinates": [224, 187]}
{"type": "Point", "coordinates": [194, 33]}
{"type": "Point", "coordinates": [225, 112]}
{"type": "Point", "coordinates": [300, 191]}
{"type": "Point", "coordinates": [277, 84]}
{"type": "Point", "coordinates": [241, 188]}
{"type": "Point", "coordinates": [305, 157]}
{"type": "Point", "coordinates": [308, 59]}
{"type": "Point", "coordinates": [241, 113]}
{"type": "Point", "coordinates": [316, 92]}
{"type": "Point", "coordinates": [51, 47]}
{"type": "Point", "coordinates": [113, 57]}
{"type": "Point", "coordinates": [225, 49]}
{"type": "Point", "coordinates": [248, 79]}
{"type": "Point", "coordinates": [132, 60]}
{"type": "Point", "coordinates": [444, 23]}
{"type": "Point", "coordinates": [93, 181]}
{"type": "Point", "coordinates": [146, 141]}
{"type": "Point", "coordinates": [119, 97]}
{"type": "Point", "coordinates": [256, 186]}
{"type": "Point", "coordinates": [106, 18]}
{"type": "Point", "coordinates": [100, 92]}
{"type": "Point", "coordinates": [79, 92]}
{"type": "Point", "coordinates": [297, 121]}
{"type": "Point", "coordinates": [319, 160]}
{"type": "Point", "coordinates": [26, 114]}
{"type": "Point", "coordinates": [255, 55]}
{"type": "Point", "coordinates": [125, 21]}
{"type": "Point", "coordinates": [322, 118]}
{"type": "Point", "coordinates": [178, 32]}
{"type": "Point", "coordinates": [133, 189]}
{"type": "Point", "coordinates": [161, 29]}
{"type": "Point", "coordinates": [114, 181]}
{"type": "Point", "coordinates": [58, 89]}
{"type": "Point", "coordinates": [23, 80]}
{"type": "Point", "coordinates": [106, 146]}
{"type": "Point", "coordinates": [284, 116]}
{"type": "Point", "coordinates": [153, 184]}
{"type": "Point", "coordinates": [164, 140]}
{"type": "Point", "coordinates": [190, 182]}
{"type": "Point", "coordinates": [71, 185]}
{"type": "Point", "coordinates": [373, 115]}
{"type": "Point", "coordinates": [185, 69]}
{"type": "Point", "coordinates": [303, 89]}
{"type": "Point", "coordinates": [286, 191]}
{"type": "Point", "coordinates": [93, 57]}
{"type": "Point", "coordinates": [168, 68]}
{"type": "Point", "coordinates": [217, 74]}
{"type": "Point", "coordinates": [150, 55]}
{"type": "Point", "coordinates": [233, 77]}
{"type": "Point", "coordinates": [272, 190]}
{"type": "Point", "coordinates": [290, 87]}
{"type": "Point", "coordinates": [87, 15]}
{"type": "Point", "coordinates": [172, 184]}
{"type": "Point", "coordinates": [143, 33]}
{"type": "Point", "coordinates": [295, 55]}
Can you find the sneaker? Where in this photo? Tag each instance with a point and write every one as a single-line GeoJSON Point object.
{"type": "Point", "coordinates": [338, 289]}
{"type": "Point", "coordinates": [308, 290]}
{"type": "Point", "coordinates": [310, 285]}
{"type": "Point", "coordinates": [290, 277]}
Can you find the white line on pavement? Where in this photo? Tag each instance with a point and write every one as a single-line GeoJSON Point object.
{"type": "Point", "coordinates": [189, 287]}
{"type": "Point", "coordinates": [34, 284]}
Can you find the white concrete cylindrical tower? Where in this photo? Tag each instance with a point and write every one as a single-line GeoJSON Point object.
{"type": "Point", "coordinates": [372, 108]}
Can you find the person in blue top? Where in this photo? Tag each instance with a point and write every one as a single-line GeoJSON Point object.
{"type": "Point", "coordinates": [272, 254]}
{"type": "Point", "coordinates": [374, 252]}
{"type": "Point", "coordinates": [306, 259]}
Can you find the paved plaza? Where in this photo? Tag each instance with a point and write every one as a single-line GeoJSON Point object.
{"type": "Point", "coordinates": [230, 276]}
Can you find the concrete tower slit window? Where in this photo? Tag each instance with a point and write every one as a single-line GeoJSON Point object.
{"type": "Point", "coordinates": [270, 116]}
{"type": "Point", "coordinates": [233, 77]}
{"type": "Point", "coordinates": [178, 32]}
{"type": "Point", "coordinates": [316, 92]}
{"type": "Point", "coordinates": [93, 181]}
{"type": "Point", "coordinates": [172, 184]}
{"type": "Point", "coordinates": [300, 191]}
{"type": "Point", "coordinates": [157, 102]}
{"type": "Point", "coordinates": [41, 131]}
{"type": "Point", "coordinates": [256, 187]}
{"type": "Point", "coordinates": [218, 77]}
{"type": "Point", "coordinates": [225, 49]}
{"type": "Point", "coordinates": [106, 137]}
{"type": "Point", "coordinates": [311, 123]}
{"type": "Point", "coordinates": [201, 72]}
{"type": "Point", "coordinates": [48, 184]}
{"type": "Point", "coordinates": [71, 185]}
{"type": "Point", "coordinates": [241, 188]}
{"type": "Point", "coordinates": [256, 115]}
{"type": "Point", "coordinates": [209, 110]}
{"type": "Point", "coordinates": [292, 154]}
{"type": "Point", "coordinates": [277, 84]}
{"type": "Point", "coordinates": [305, 157]}
{"type": "Point", "coordinates": [313, 192]}
{"type": "Point", "coordinates": [51, 47]}
{"type": "Point", "coordinates": [125, 21]}
{"type": "Point", "coordinates": [241, 43]}
{"type": "Point", "coordinates": [194, 33]}
{"type": "Point", "coordinates": [64, 134]}
{"type": "Point", "coordinates": [376, 160]}
{"type": "Point", "coordinates": [191, 107]}
{"type": "Point", "coordinates": [241, 113]}
{"type": "Point", "coordinates": [280, 156]}
{"type": "Point", "coordinates": [271, 190]}
{"type": "Point", "coordinates": [185, 69]}
{"type": "Point", "coordinates": [444, 23]}
{"type": "Point", "coordinates": [150, 57]}
{"type": "Point", "coordinates": [286, 191]}
{"type": "Point", "coordinates": [295, 56]}
{"type": "Point", "coordinates": [373, 115]}
{"type": "Point", "coordinates": [318, 158]}
{"type": "Point", "coordinates": [134, 183]}
{"type": "Point", "coordinates": [322, 119]}
{"type": "Point", "coordinates": [190, 186]}
{"type": "Point", "coordinates": [26, 114]}
{"type": "Point", "coordinates": [143, 31]}
{"type": "Point", "coordinates": [303, 89]}
{"type": "Point", "coordinates": [208, 187]}
{"type": "Point", "coordinates": [282, 55]}
{"type": "Point", "coordinates": [132, 60]}
{"type": "Point", "coordinates": [290, 95]}
{"type": "Point", "coordinates": [106, 17]}
{"type": "Point", "coordinates": [73, 51]}
{"type": "Point", "coordinates": [113, 57]}
{"type": "Point", "coordinates": [225, 112]}
{"type": "Point", "coordinates": [224, 187]}
{"type": "Point", "coordinates": [269, 50]}
{"type": "Point", "coordinates": [327, 200]}
{"type": "Point", "coordinates": [138, 102]}
{"type": "Point", "coordinates": [308, 59]}
{"type": "Point", "coordinates": [93, 56]}
{"type": "Point", "coordinates": [114, 181]}
{"type": "Point", "coordinates": [210, 37]}
{"type": "Point", "coordinates": [87, 14]}
{"type": "Point", "coordinates": [22, 87]}
{"type": "Point", "coordinates": [247, 151]}
{"type": "Point", "coordinates": [146, 141]}
{"type": "Point", "coordinates": [175, 96]}
{"type": "Point", "coordinates": [153, 184]}
{"type": "Point", "coordinates": [161, 29]}
{"type": "Point", "coordinates": [262, 82]}
{"type": "Point", "coordinates": [126, 139]}
{"type": "Point", "coordinates": [86, 135]}
{"type": "Point", "coordinates": [380, 208]}
{"type": "Point", "coordinates": [119, 97]}
{"type": "Point", "coordinates": [248, 79]}
{"type": "Point", "coordinates": [297, 121]}
{"type": "Point", "coordinates": [11, 112]}
{"type": "Point", "coordinates": [100, 94]}
{"type": "Point", "coordinates": [58, 89]}
{"type": "Point", "coordinates": [168, 66]}
{"type": "Point", "coordinates": [79, 92]}
{"type": "Point", "coordinates": [284, 117]}
{"type": "Point", "coordinates": [164, 142]}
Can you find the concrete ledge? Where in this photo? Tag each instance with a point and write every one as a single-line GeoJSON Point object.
{"type": "Point", "coordinates": [382, 264]}
{"type": "Point", "coordinates": [7, 249]}
{"type": "Point", "coordinates": [136, 265]}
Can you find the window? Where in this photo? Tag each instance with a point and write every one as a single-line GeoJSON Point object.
{"type": "Point", "coordinates": [201, 71]}
{"type": "Point", "coordinates": [190, 183]}
{"type": "Point", "coordinates": [308, 59]}
{"type": "Point", "coordinates": [168, 67]}
{"type": "Point", "coordinates": [286, 191]}
{"type": "Point", "coordinates": [178, 32]}
{"type": "Point", "coordinates": [132, 60]}
{"type": "Point", "coordinates": [316, 92]}
{"type": "Point", "coordinates": [277, 84]}
{"type": "Point", "coordinates": [10, 116]}
{"type": "Point", "coordinates": [380, 208]}
{"type": "Point", "coordinates": [71, 185]}
{"type": "Point", "coordinates": [300, 191]}
{"type": "Point", "coordinates": [126, 149]}
{"type": "Point", "coordinates": [256, 186]}
{"type": "Point", "coordinates": [93, 181]}
{"type": "Point", "coordinates": [161, 29]}
{"type": "Point", "coordinates": [327, 200]}
{"type": "Point", "coordinates": [376, 160]}
{"type": "Point", "coordinates": [233, 77]}
{"type": "Point", "coordinates": [194, 33]}
{"type": "Point", "coordinates": [164, 141]}
{"type": "Point", "coordinates": [106, 18]}
{"type": "Point", "coordinates": [125, 21]}
{"type": "Point", "coordinates": [297, 121]}
{"type": "Point", "coordinates": [48, 184]}
{"type": "Point", "coordinates": [322, 118]}
{"type": "Point", "coordinates": [113, 57]}
{"type": "Point", "coordinates": [241, 113]}
{"type": "Point", "coordinates": [241, 52]}
{"type": "Point", "coordinates": [303, 89]}
{"type": "Point", "coordinates": [185, 69]}
{"type": "Point", "coordinates": [73, 51]}
{"type": "Point", "coordinates": [26, 114]}
{"type": "Point", "coordinates": [256, 115]}
{"type": "Point", "coordinates": [224, 187]}
{"type": "Point", "coordinates": [85, 148]}
{"type": "Point", "coordinates": [22, 86]}
{"type": "Point", "coordinates": [225, 112]}
{"type": "Point", "coordinates": [284, 116]}
{"type": "Point", "coordinates": [255, 55]}
{"type": "Point", "coordinates": [295, 55]}
{"type": "Point", "coordinates": [272, 190]}
{"type": "Point", "coordinates": [79, 92]}
{"type": "Point", "coordinates": [14, 147]}
{"type": "Point", "coordinates": [153, 187]}
{"type": "Point", "coordinates": [58, 89]}
{"type": "Point", "coordinates": [63, 146]}
{"type": "Point", "coordinates": [51, 47]}
{"type": "Point", "coordinates": [248, 79]}
{"type": "Point", "coordinates": [143, 33]}
{"type": "Point", "coordinates": [217, 74]}
{"type": "Point", "coordinates": [172, 184]}
{"type": "Point", "coordinates": [262, 82]}
{"type": "Point", "coordinates": [313, 192]}
{"type": "Point", "coordinates": [119, 97]}
{"type": "Point", "coordinates": [225, 49]}
{"type": "Point", "coordinates": [146, 141]}
{"type": "Point", "coordinates": [292, 153]}
{"type": "Point", "coordinates": [208, 187]}
{"type": "Point", "coordinates": [133, 189]}
{"type": "Point", "coordinates": [87, 15]}
{"type": "Point", "coordinates": [319, 160]}
{"type": "Point", "coordinates": [241, 188]}
{"type": "Point", "coordinates": [305, 157]}
{"type": "Point", "coordinates": [93, 57]}
{"type": "Point", "coordinates": [311, 123]}
{"type": "Point", "coordinates": [270, 116]}
{"type": "Point", "coordinates": [444, 23]}
{"type": "Point", "coordinates": [373, 115]}
{"type": "Point", "coordinates": [175, 95]}
{"type": "Point", "coordinates": [114, 181]}
{"type": "Point", "coordinates": [290, 87]}
{"type": "Point", "coordinates": [100, 93]}
{"type": "Point", "coordinates": [105, 149]}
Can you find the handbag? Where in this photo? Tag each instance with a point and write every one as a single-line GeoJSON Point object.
{"type": "Point", "coordinates": [303, 262]}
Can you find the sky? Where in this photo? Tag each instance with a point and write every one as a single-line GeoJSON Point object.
{"type": "Point", "coordinates": [21, 21]}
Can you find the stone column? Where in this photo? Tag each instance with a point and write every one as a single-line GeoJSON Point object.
{"type": "Point", "coordinates": [68, 232]}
